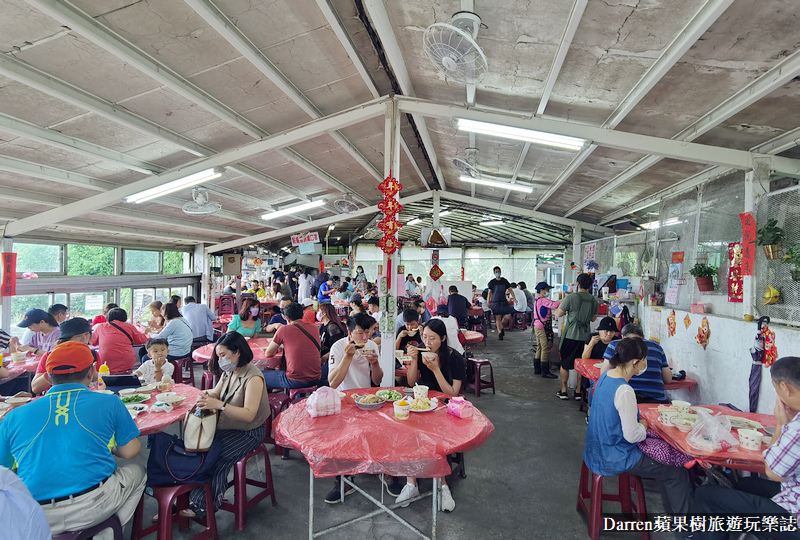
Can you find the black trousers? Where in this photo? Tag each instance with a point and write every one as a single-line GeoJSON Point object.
{"type": "Point", "coordinates": [753, 497]}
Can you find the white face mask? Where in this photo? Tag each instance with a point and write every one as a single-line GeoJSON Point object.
{"type": "Point", "coordinates": [254, 311]}
{"type": "Point", "coordinates": [225, 364]}
{"type": "Point", "coordinates": [497, 274]}
{"type": "Point", "coordinates": [641, 372]}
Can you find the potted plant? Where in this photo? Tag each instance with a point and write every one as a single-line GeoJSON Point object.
{"type": "Point", "coordinates": [704, 275]}
{"type": "Point", "coordinates": [770, 236]}
{"type": "Point", "coordinates": [592, 267]}
{"type": "Point", "coordinates": [792, 258]}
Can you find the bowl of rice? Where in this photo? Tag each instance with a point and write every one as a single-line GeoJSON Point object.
{"type": "Point", "coordinates": [369, 402]}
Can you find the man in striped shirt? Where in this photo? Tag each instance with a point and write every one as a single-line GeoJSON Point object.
{"type": "Point", "coordinates": [649, 386]}
{"type": "Point", "coordinates": [781, 493]}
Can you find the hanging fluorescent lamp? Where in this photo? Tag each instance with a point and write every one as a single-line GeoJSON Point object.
{"type": "Point", "coordinates": [501, 185]}
{"type": "Point", "coordinates": [175, 185]}
{"type": "Point", "coordinates": [414, 221]}
{"type": "Point", "coordinates": [491, 223]}
{"type": "Point", "coordinates": [293, 209]}
{"type": "Point", "coordinates": [519, 134]}
{"type": "Point", "coordinates": [446, 212]}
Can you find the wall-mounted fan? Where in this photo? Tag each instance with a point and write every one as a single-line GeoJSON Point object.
{"type": "Point", "coordinates": [466, 165]}
{"type": "Point", "coordinates": [201, 205]}
{"type": "Point", "coordinates": [345, 205]}
{"type": "Point", "coordinates": [373, 234]}
{"type": "Point", "coordinates": [452, 49]}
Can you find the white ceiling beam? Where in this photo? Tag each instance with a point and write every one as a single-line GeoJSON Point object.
{"type": "Point", "coordinates": [620, 140]}
{"type": "Point", "coordinates": [324, 222]}
{"type": "Point", "coordinates": [702, 20]}
{"type": "Point", "coordinates": [382, 25]}
{"type": "Point", "coordinates": [776, 145]}
{"type": "Point", "coordinates": [341, 34]}
{"type": "Point", "coordinates": [106, 228]}
{"type": "Point", "coordinates": [19, 71]}
{"type": "Point", "coordinates": [280, 140]}
{"type": "Point", "coordinates": [777, 76]}
{"type": "Point", "coordinates": [228, 30]}
{"type": "Point", "coordinates": [524, 212]}
{"type": "Point", "coordinates": [33, 197]}
{"type": "Point", "coordinates": [50, 137]}
{"type": "Point", "coordinates": [79, 21]}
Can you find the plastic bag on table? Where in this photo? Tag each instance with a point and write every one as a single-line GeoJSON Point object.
{"type": "Point", "coordinates": [711, 433]}
{"type": "Point", "coordinates": [460, 407]}
{"type": "Point", "coordinates": [324, 402]}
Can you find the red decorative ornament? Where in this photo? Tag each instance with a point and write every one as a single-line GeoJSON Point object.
{"type": "Point", "coordinates": [390, 207]}
{"type": "Point", "coordinates": [390, 186]}
{"type": "Point", "coordinates": [436, 272]}
{"type": "Point", "coordinates": [389, 225]}
{"type": "Point", "coordinates": [389, 244]}
{"type": "Point", "coordinates": [735, 280]}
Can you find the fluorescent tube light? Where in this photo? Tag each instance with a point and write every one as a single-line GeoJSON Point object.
{"type": "Point", "coordinates": [414, 221]}
{"type": "Point", "coordinates": [331, 227]}
{"type": "Point", "coordinates": [446, 212]}
{"type": "Point", "coordinates": [501, 185]}
{"type": "Point", "coordinates": [293, 209]}
{"type": "Point", "coordinates": [519, 134]}
{"type": "Point", "coordinates": [491, 223]}
{"type": "Point", "coordinates": [175, 185]}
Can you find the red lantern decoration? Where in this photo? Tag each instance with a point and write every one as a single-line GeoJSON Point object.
{"type": "Point", "coordinates": [390, 207]}
{"type": "Point", "coordinates": [389, 225]}
{"type": "Point", "coordinates": [389, 244]}
{"type": "Point", "coordinates": [390, 186]}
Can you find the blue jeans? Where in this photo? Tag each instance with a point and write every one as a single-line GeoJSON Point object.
{"type": "Point", "coordinates": [278, 379]}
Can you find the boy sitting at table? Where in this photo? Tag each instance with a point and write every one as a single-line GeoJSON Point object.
{"type": "Point", "coordinates": [781, 493]}
{"type": "Point", "coordinates": [156, 366]}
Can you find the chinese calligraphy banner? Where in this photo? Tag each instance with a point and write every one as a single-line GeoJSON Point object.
{"type": "Point", "coordinates": [9, 286]}
{"type": "Point", "coordinates": [748, 244]}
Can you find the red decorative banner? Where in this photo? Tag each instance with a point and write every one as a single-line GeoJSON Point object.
{"type": "Point", "coordinates": [390, 186]}
{"type": "Point", "coordinates": [390, 207]}
{"type": "Point", "coordinates": [677, 257]}
{"type": "Point", "coordinates": [748, 243]}
{"type": "Point", "coordinates": [436, 272]}
{"type": "Point", "coordinates": [389, 225]}
{"type": "Point", "coordinates": [735, 281]}
{"type": "Point", "coordinates": [9, 287]}
{"type": "Point", "coordinates": [389, 244]}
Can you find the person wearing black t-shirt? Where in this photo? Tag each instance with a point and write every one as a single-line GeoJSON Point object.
{"type": "Point", "coordinates": [596, 345]}
{"type": "Point", "coordinates": [457, 305]}
{"type": "Point", "coordinates": [410, 334]}
{"type": "Point", "coordinates": [498, 302]}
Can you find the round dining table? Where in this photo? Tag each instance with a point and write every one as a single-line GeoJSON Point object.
{"type": "Point", "coordinates": [590, 368]}
{"type": "Point", "coordinates": [257, 345]}
{"type": "Point", "coordinates": [16, 369]}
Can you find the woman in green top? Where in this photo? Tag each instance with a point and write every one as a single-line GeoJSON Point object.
{"type": "Point", "coordinates": [247, 321]}
{"type": "Point", "coordinates": [581, 309]}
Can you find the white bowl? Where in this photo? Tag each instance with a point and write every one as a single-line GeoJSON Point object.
{"type": "Point", "coordinates": [128, 391]}
{"type": "Point", "coordinates": [17, 401]}
{"type": "Point", "coordinates": [162, 395]}
{"type": "Point", "coordinates": [170, 398]}
{"type": "Point", "coordinates": [138, 407]}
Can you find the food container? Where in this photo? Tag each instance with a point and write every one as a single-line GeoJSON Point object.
{"type": "Point", "coordinates": [402, 409]}
{"type": "Point", "coordinates": [368, 406]}
{"type": "Point", "coordinates": [420, 391]}
{"type": "Point", "coordinates": [750, 439]}
{"type": "Point", "coordinates": [682, 406]}
{"type": "Point", "coordinates": [666, 416]}
{"type": "Point", "coordinates": [19, 357]}
{"type": "Point", "coordinates": [17, 401]}
{"type": "Point", "coordinates": [683, 424]}
{"type": "Point", "coordinates": [165, 385]}
{"type": "Point", "coordinates": [398, 353]}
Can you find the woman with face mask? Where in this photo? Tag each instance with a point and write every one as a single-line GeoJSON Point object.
{"type": "Point", "coordinates": [241, 399]}
{"type": "Point", "coordinates": [247, 322]}
{"type": "Point", "coordinates": [615, 429]}
{"type": "Point", "coordinates": [498, 302]}
{"type": "Point", "coordinates": [360, 278]}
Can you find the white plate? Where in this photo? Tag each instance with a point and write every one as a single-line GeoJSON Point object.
{"type": "Point", "coordinates": [138, 407]}
{"type": "Point", "coordinates": [172, 400]}
{"type": "Point", "coordinates": [128, 391]}
{"type": "Point", "coordinates": [738, 422]}
{"type": "Point", "coordinates": [145, 397]}
{"type": "Point", "coordinates": [434, 404]}
{"type": "Point", "coordinates": [695, 409]}
{"type": "Point", "coordinates": [147, 388]}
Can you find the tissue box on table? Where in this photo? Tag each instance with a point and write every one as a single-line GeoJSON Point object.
{"type": "Point", "coordinates": [324, 402]}
{"type": "Point", "coordinates": [460, 407]}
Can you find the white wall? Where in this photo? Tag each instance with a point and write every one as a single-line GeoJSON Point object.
{"type": "Point", "coordinates": [723, 368]}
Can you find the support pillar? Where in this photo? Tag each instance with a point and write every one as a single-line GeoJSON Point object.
{"type": "Point", "coordinates": [577, 236]}
{"type": "Point", "coordinates": [202, 265]}
{"type": "Point", "coordinates": [748, 286]}
{"type": "Point", "coordinates": [6, 246]}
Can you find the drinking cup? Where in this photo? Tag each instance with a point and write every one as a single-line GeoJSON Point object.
{"type": "Point", "coordinates": [420, 391]}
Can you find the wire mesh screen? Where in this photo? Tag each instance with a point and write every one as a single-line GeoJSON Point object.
{"type": "Point", "coordinates": [677, 233]}
{"type": "Point", "coordinates": [783, 206]}
{"type": "Point", "coordinates": [605, 254]}
{"type": "Point", "coordinates": [722, 201]}
{"type": "Point", "coordinates": [635, 253]}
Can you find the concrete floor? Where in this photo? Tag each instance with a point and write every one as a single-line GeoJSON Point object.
{"type": "Point", "coordinates": [521, 484]}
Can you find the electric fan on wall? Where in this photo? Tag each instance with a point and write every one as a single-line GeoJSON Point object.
{"type": "Point", "coordinates": [452, 49]}
{"type": "Point", "coordinates": [201, 205]}
{"type": "Point", "coordinates": [345, 205]}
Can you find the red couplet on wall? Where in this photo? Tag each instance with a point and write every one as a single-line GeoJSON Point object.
{"type": "Point", "coordinates": [321, 266]}
{"type": "Point", "coordinates": [9, 286]}
{"type": "Point", "coordinates": [748, 244]}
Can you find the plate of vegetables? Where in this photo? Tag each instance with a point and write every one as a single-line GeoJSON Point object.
{"type": "Point", "coordinates": [389, 395]}
{"type": "Point", "coordinates": [135, 398]}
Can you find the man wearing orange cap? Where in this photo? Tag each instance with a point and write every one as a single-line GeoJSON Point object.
{"type": "Point", "coordinates": [63, 446]}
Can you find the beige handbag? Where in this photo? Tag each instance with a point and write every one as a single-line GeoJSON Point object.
{"type": "Point", "coordinates": [200, 427]}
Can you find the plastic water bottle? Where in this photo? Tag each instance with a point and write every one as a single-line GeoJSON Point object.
{"type": "Point", "coordinates": [594, 288]}
{"type": "Point", "coordinates": [102, 372]}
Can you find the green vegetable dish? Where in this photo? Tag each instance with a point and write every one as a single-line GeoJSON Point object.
{"type": "Point", "coordinates": [389, 395]}
{"type": "Point", "coordinates": [136, 398]}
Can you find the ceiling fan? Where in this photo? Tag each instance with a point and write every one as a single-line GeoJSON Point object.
{"type": "Point", "coordinates": [452, 49]}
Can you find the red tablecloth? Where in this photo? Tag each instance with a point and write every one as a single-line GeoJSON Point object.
{"type": "Point", "coordinates": [257, 345]}
{"type": "Point", "coordinates": [18, 368]}
{"type": "Point", "coordinates": [738, 458]}
{"type": "Point", "coordinates": [374, 442]}
{"type": "Point", "coordinates": [475, 312]}
{"type": "Point", "coordinates": [155, 422]}
{"type": "Point", "coordinates": [473, 337]}
{"type": "Point", "coordinates": [586, 368]}
{"type": "Point", "coordinates": [268, 303]}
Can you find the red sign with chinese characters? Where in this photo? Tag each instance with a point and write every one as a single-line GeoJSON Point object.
{"type": "Point", "coordinates": [677, 257]}
{"type": "Point", "coordinates": [9, 287]}
{"type": "Point", "coordinates": [748, 244]}
{"type": "Point", "coordinates": [298, 239]}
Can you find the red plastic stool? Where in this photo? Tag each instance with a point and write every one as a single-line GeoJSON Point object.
{"type": "Point", "coordinates": [110, 523]}
{"type": "Point", "coordinates": [179, 365]}
{"type": "Point", "coordinates": [296, 393]}
{"type": "Point", "coordinates": [207, 381]}
{"type": "Point", "coordinates": [517, 321]}
{"type": "Point", "coordinates": [241, 504]}
{"type": "Point", "coordinates": [277, 402]}
{"type": "Point", "coordinates": [594, 510]}
{"type": "Point", "coordinates": [165, 495]}
{"type": "Point", "coordinates": [479, 384]}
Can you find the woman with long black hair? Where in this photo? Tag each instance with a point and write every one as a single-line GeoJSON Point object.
{"type": "Point", "coordinates": [331, 331]}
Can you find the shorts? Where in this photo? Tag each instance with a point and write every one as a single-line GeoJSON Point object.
{"type": "Point", "coordinates": [503, 308]}
{"type": "Point", "coordinates": [570, 349]}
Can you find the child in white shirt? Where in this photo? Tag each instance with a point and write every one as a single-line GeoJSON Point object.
{"type": "Point", "coordinates": [157, 366]}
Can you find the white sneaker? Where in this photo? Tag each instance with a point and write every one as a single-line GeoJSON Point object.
{"type": "Point", "coordinates": [409, 492]}
{"type": "Point", "coordinates": [448, 504]}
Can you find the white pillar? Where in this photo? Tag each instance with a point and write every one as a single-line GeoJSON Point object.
{"type": "Point", "coordinates": [391, 163]}
{"type": "Point", "coordinates": [6, 246]}
{"type": "Point", "coordinates": [749, 289]}
{"type": "Point", "coordinates": [577, 233]}
{"type": "Point", "coordinates": [202, 265]}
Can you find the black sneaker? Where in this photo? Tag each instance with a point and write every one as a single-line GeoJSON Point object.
{"type": "Point", "coordinates": [577, 396]}
{"type": "Point", "coordinates": [334, 495]}
{"type": "Point", "coordinates": [394, 485]}
{"type": "Point", "coordinates": [503, 333]}
{"type": "Point", "coordinates": [562, 395]}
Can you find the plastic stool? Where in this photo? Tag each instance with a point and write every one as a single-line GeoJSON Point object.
{"type": "Point", "coordinates": [241, 504]}
{"type": "Point", "coordinates": [207, 381]}
{"type": "Point", "coordinates": [277, 402]}
{"type": "Point", "coordinates": [479, 384]}
{"type": "Point", "coordinates": [517, 321]}
{"type": "Point", "coordinates": [110, 523]}
{"type": "Point", "coordinates": [296, 393]}
{"type": "Point", "coordinates": [165, 495]}
{"type": "Point", "coordinates": [594, 510]}
{"type": "Point", "coordinates": [180, 364]}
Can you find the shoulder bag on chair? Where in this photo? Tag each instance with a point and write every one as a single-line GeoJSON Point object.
{"type": "Point", "coordinates": [200, 425]}
{"type": "Point", "coordinates": [170, 463]}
